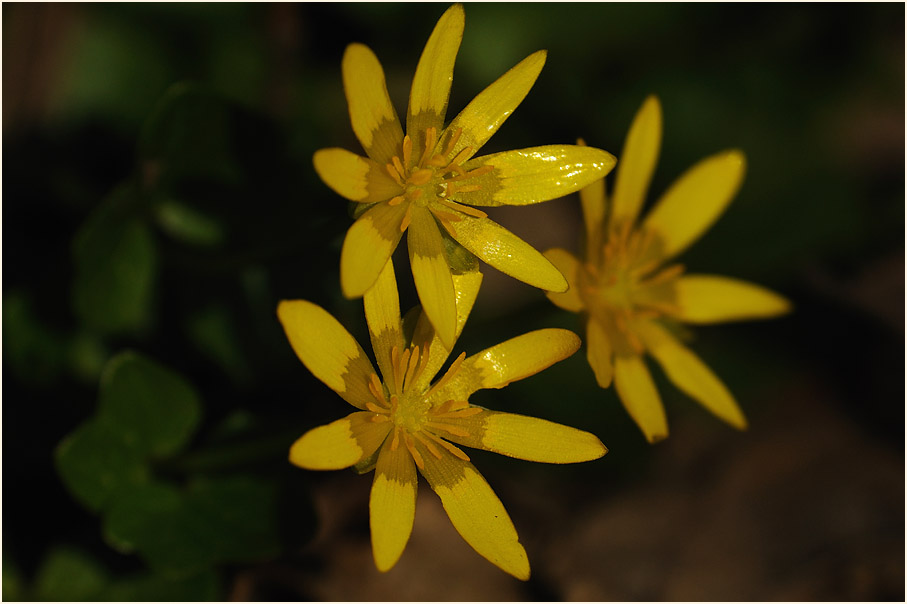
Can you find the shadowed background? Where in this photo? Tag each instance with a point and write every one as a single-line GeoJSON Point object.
{"type": "Point", "coordinates": [159, 198]}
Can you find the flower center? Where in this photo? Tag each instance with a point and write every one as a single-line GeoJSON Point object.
{"type": "Point", "coordinates": [413, 416]}
{"type": "Point", "coordinates": [626, 284]}
{"type": "Point", "coordinates": [430, 179]}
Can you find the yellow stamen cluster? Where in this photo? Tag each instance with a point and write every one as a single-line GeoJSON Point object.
{"type": "Point", "coordinates": [434, 178]}
{"type": "Point", "coordinates": [624, 278]}
{"type": "Point", "coordinates": [413, 416]}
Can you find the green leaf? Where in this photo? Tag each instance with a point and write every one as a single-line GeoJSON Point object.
{"type": "Point", "coordinates": [154, 407]}
{"type": "Point", "coordinates": [217, 521]}
{"type": "Point", "coordinates": [199, 587]}
{"type": "Point", "coordinates": [189, 225]}
{"type": "Point", "coordinates": [236, 516]}
{"type": "Point", "coordinates": [69, 575]}
{"type": "Point", "coordinates": [34, 352]}
{"type": "Point", "coordinates": [189, 134]}
{"type": "Point", "coordinates": [116, 265]}
{"type": "Point", "coordinates": [96, 461]}
{"type": "Point", "coordinates": [13, 583]}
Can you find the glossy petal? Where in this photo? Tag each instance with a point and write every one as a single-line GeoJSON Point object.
{"type": "Point", "coordinates": [356, 178]}
{"type": "Point", "coordinates": [431, 84]}
{"type": "Point", "coordinates": [367, 246]}
{"type": "Point", "coordinates": [528, 438]}
{"type": "Point", "coordinates": [466, 286]}
{"type": "Point", "coordinates": [509, 361]}
{"type": "Point", "coordinates": [713, 299]}
{"type": "Point", "coordinates": [533, 175]}
{"type": "Point", "coordinates": [339, 444]}
{"type": "Point", "coordinates": [485, 114]}
{"type": "Point", "coordinates": [637, 162]}
{"type": "Point", "coordinates": [503, 250]}
{"type": "Point", "coordinates": [327, 350]}
{"type": "Point", "coordinates": [637, 392]}
{"type": "Point", "coordinates": [476, 512]}
{"type": "Point", "coordinates": [695, 201]}
{"type": "Point", "coordinates": [392, 504]}
{"type": "Point", "coordinates": [373, 116]}
{"type": "Point", "coordinates": [569, 266]}
{"type": "Point", "coordinates": [431, 274]}
{"type": "Point", "coordinates": [690, 374]}
{"type": "Point", "coordinates": [599, 352]}
{"type": "Point", "coordinates": [382, 312]}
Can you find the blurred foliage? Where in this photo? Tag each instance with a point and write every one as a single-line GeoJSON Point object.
{"type": "Point", "coordinates": [160, 199]}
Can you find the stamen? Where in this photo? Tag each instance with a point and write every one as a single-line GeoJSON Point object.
{"type": "Point", "coordinates": [431, 139]}
{"type": "Point", "coordinates": [464, 208]}
{"type": "Point", "coordinates": [423, 362]}
{"type": "Point", "coordinates": [456, 431]}
{"type": "Point", "coordinates": [375, 408]}
{"type": "Point", "coordinates": [420, 177]}
{"type": "Point", "coordinates": [404, 365]}
{"type": "Point", "coordinates": [413, 361]}
{"type": "Point", "coordinates": [413, 195]}
{"type": "Point", "coordinates": [398, 177]}
{"type": "Point", "coordinates": [396, 200]}
{"type": "Point", "coordinates": [406, 218]}
{"type": "Point", "coordinates": [398, 165]}
{"type": "Point", "coordinates": [407, 149]}
{"type": "Point", "coordinates": [395, 366]}
{"type": "Point", "coordinates": [428, 444]}
{"type": "Point", "coordinates": [380, 418]}
{"type": "Point", "coordinates": [468, 188]}
{"type": "Point", "coordinates": [458, 414]}
{"type": "Point", "coordinates": [463, 174]}
{"type": "Point", "coordinates": [461, 156]}
{"type": "Point", "coordinates": [451, 143]}
{"type": "Point", "coordinates": [374, 386]}
{"type": "Point", "coordinates": [396, 442]}
{"type": "Point", "coordinates": [451, 372]}
{"type": "Point", "coordinates": [666, 275]}
{"type": "Point", "coordinates": [417, 457]}
{"type": "Point", "coordinates": [450, 447]}
{"type": "Point", "coordinates": [438, 161]}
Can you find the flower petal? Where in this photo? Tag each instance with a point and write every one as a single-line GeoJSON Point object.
{"type": "Point", "coordinates": [466, 286]}
{"type": "Point", "coordinates": [569, 266]}
{"type": "Point", "coordinates": [527, 176]}
{"type": "Point", "coordinates": [476, 512]}
{"type": "Point", "coordinates": [373, 116]}
{"type": "Point", "coordinates": [527, 438]}
{"type": "Point", "coordinates": [356, 178]}
{"type": "Point", "coordinates": [593, 200]}
{"type": "Point", "coordinates": [509, 361]}
{"type": "Point", "coordinates": [695, 201]}
{"type": "Point", "coordinates": [640, 398]}
{"type": "Point", "coordinates": [690, 374]}
{"type": "Point", "coordinates": [327, 350]}
{"type": "Point", "coordinates": [486, 112]}
{"type": "Point", "coordinates": [367, 246]}
{"type": "Point", "coordinates": [392, 504]}
{"type": "Point", "coordinates": [431, 274]}
{"type": "Point", "coordinates": [714, 299]}
{"type": "Point", "coordinates": [339, 444]}
{"type": "Point", "coordinates": [599, 352]}
{"type": "Point", "coordinates": [431, 84]}
{"type": "Point", "coordinates": [503, 250]}
{"type": "Point", "coordinates": [637, 162]}
{"type": "Point", "coordinates": [382, 313]}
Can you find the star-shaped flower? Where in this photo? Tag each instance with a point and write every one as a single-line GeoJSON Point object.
{"type": "Point", "coordinates": [632, 294]}
{"type": "Point", "coordinates": [405, 422]}
{"type": "Point", "coordinates": [428, 182]}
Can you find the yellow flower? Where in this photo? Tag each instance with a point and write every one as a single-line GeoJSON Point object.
{"type": "Point", "coordinates": [405, 423]}
{"type": "Point", "coordinates": [631, 294]}
{"type": "Point", "coordinates": [428, 181]}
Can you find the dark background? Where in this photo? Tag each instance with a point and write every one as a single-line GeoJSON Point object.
{"type": "Point", "coordinates": [159, 197]}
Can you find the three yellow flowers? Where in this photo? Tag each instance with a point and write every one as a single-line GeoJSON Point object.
{"type": "Point", "coordinates": [429, 183]}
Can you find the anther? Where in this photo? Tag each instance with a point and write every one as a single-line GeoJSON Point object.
{"type": "Point", "coordinates": [452, 141]}
{"type": "Point", "coordinates": [396, 200]}
{"type": "Point", "coordinates": [406, 218]}
{"type": "Point", "coordinates": [431, 139]}
{"type": "Point", "coordinates": [420, 177]}
{"type": "Point", "coordinates": [407, 149]}
{"type": "Point", "coordinates": [451, 372]}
